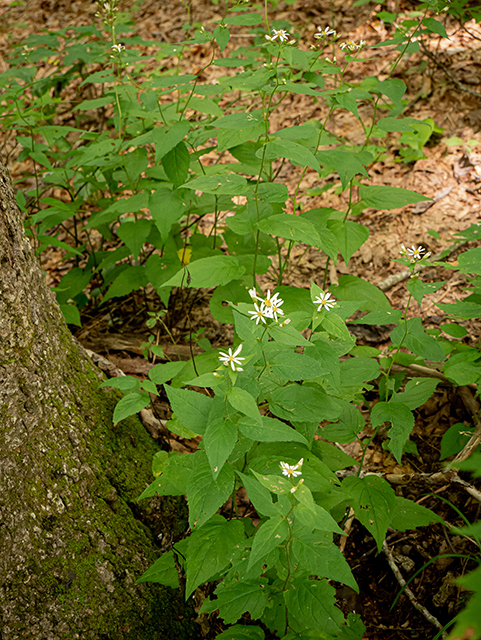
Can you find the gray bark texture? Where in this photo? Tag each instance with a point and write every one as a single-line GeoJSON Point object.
{"type": "Point", "coordinates": [71, 547]}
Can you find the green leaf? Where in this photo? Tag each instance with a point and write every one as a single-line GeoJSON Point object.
{"type": "Point", "coordinates": [162, 571]}
{"type": "Point", "coordinates": [71, 314]}
{"type": "Point", "coordinates": [167, 208]}
{"type": "Point", "coordinates": [470, 261]}
{"type": "Point", "coordinates": [176, 473]}
{"type": "Point", "coordinates": [219, 441]}
{"type": "Point", "coordinates": [299, 156]}
{"type": "Point", "coordinates": [222, 36]}
{"type": "Point", "coordinates": [417, 341]}
{"type": "Point", "coordinates": [463, 372]}
{"type": "Point", "coordinates": [394, 89]}
{"type": "Point", "coordinates": [380, 197]}
{"type": "Point", "coordinates": [247, 20]}
{"type": "Point", "coordinates": [241, 120]}
{"type": "Point", "coordinates": [243, 402]}
{"type": "Point", "coordinates": [213, 271]}
{"type": "Point", "coordinates": [161, 373]}
{"type": "Point", "coordinates": [276, 484]}
{"type": "Point", "coordinates": [312, 604]}
{"type": "Point", "coordinates": [268, 536]}
{"type": "Point", "coordinates": [235, 598]}
{"type": "Point", "coordinates": [344, 161]}
{"type": "Point", "coordinates": [467, 621]}
{"type": "Point", "coordinates": [350, 236]}
{"type": "Point", "coordinates": [419, 288]}
{"type": "Point", "coordinates": [454, 330]}
{"type": "Point", "coordinates": [164, 138]}
{"type": "Point", "coordinates": [241, 632]}
{"type": "Point", "coordinates": [395, 124]}
{"type": "Point", "coordinates": [128, 280]}
{"type": "Point", "coordinates": [259, 496]}
{"type": "Point", "coordinates": [303, 404]}
{"type": "Point", "coordinates": [409, 515]}
{"type": "Point", "coordinates": [417, 392]}
{"type": "Point", "coordinates": [291, 227]}
{"type": "Point", "coordinates": [434, 26]}
{"type": "Point", "coordinates": [130, 404]}
{"type": "Point", "coordinates": [271, 430]}
{"type": "Point", "coordinates": [191, 408]}
{"type": "Point", "coordinates": [373, 501]}
{"type": "Point", "coordinates": [291, 365]}
{"type": "Point", "coordinates": [351, 422]}
{"type": "Point", "coordinates": [380, 317]}
{"type": "Point", "coordinates": [323, 559]}
{"type": "Point", "coordinates": [355, 371]}
{"type": "Point", "coordinates": [206, 495]}
{"type": "Point", "coordinates": [461, 308]}
{"type": "Point", "coordinates": [134, 234]}
{"type": "Point", "coordinates": [402, 421]}
{"type": "Point", "coordinates": [210, 550]}
{"type": "Point", "coordinates": [176, 164]}
{"type": "Point", "coordinates": [357, 289]}
{"type": "Point", "coordinates": [122, 382]}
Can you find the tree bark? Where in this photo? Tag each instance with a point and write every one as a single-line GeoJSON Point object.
{"type": "Point", "coordinates": [71, 547]}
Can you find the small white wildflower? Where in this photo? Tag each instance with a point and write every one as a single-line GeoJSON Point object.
{"type": "Point", "coordinates": [325, 301]}
{"type": "Point", "coordinates": [231, 359]}
{"type": "Point", "coordinates": [351, 45]}
{"type": "Point", "coordinates": [278, 33]}
{"type": "Point", "coordinates": [322, 33]}
{"type": "Point", "coordinates": [118, 48]}
{"type": "Point", "coordinates": [268, 301]}
{"type": "Point", "coordinates": [416, 253]}
{"type": "Point", "coordinates": [285, 323]}
{"type": "Point", "coordinates": [261, 313]}
{"type": "Point", "coordinates": [275, 308]}
{"type": "Point", "coordinates": [253, 294]}
{"type": "Point", "coordinates": [403, 251]}
{"type": "Point", "coordinates": [291, 471]}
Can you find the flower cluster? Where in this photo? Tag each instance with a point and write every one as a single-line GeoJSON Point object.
{"type": "Point", "coordinates": [351, 45]}
{"type": "Point", "coordinates": [414, 254]}
{"type": "Point", "coordinates": [232, 359]}
{"type": "Point", "coordinates": [281, 35]}
{"type": "Point", "coordinates": [325, 301]}
{"type": "Point", "coordinates": [270, 307]}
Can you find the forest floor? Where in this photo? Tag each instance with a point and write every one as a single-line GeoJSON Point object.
{"type": "Point", "coordinates": [451, 173]}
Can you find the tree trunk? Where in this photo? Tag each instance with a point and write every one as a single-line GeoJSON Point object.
{"type": "Point", "coordinates": [71, 548]}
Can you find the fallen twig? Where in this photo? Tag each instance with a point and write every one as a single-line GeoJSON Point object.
{"type": "Point", "coordinates": [417, 605]}
{"type": "Point", "coordinates": [448, 73]}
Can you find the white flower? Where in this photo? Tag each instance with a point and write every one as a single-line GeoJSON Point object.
{"type": "Point", "coordinates": [416, 253]}
{"type": "Point", "coordinates": [292, 471]}
{"type": "Point", "coordinates": [232, 358]}
{"type": "Point", "coordinates": [285, 323]}
{"type": "Point", "coordinates": [253, 294]}
{"type": "Point", "coordinates": [322, 33]}
{"type": "Point", "coordinates": [324, 301]}
{"type": "Point", "coordinates": [268, 301]}
{"type": "Point", "coordinates": [403, 251]}
{"type": "Point", "coordinates": [118, 48]}
{"type": "Point", "coordinates": [351, 45]}
{"type": "Point", "coordinates": [278, 33]}
{"type": "Point", "coordinates": [275, 308]}
{"type": "Point", "coordinates": [261, 313]}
